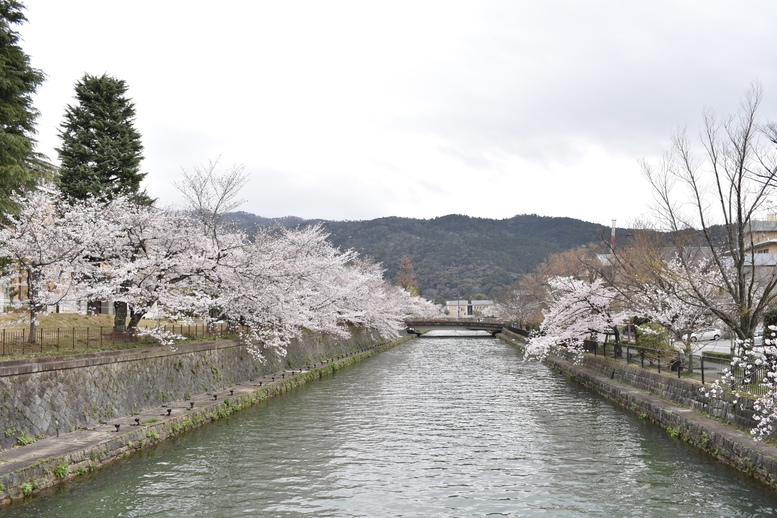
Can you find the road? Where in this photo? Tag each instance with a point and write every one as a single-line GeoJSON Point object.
{"type": "Point", "coordinates": [721, 346]}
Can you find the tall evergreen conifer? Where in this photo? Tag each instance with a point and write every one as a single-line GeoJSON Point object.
{"type": "Point", "coordinates": [20, 166]}
{"type": "Point", "coordinates": [101, 149]}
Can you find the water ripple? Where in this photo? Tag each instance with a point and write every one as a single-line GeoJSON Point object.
{"type": "Point", "coordinates": [433, 428]}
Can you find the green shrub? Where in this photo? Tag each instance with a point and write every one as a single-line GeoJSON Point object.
{"type": "Point", "coordinates": [718, 354]}
{"type": "Point", "coordinates": [652, 336]}
{"type": "Point", "coordinates": [24, 439]}
{"type": "Point", "coordinates": [61, 470]}
{"type": "Point", "coordinates": [26, 488]}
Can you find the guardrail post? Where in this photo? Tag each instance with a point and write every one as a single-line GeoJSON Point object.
{"type": "Point", "coordinates": [702, 369]}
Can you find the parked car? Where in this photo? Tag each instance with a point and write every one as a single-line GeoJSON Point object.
{"type": "Point", "coordinates": [767, 339]}
{"type": "Point", "coordinates": [758, 338]}
{"type": "Point", "coordinates": [708, 333]}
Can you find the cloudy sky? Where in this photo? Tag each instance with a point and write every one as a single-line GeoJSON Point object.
{"type": "Point", "coordinates": [364, 109]}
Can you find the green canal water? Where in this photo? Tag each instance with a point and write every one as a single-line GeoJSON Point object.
{"type": "Point", "coordinates": [437, 427]}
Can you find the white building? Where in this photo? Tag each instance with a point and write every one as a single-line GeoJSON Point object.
{"type": "Point", "coordinates": [469, 308]}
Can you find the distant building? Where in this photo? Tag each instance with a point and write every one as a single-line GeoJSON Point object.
{"type": "Point", "coordinates": [763, 235]}
{"type": "Point", "coordinates": [470, 308]}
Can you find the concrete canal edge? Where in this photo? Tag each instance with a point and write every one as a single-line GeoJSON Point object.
{"type": "Point", "coordinates": [27, 470]}
{"type": "Point", "coordinates": [672, 409]}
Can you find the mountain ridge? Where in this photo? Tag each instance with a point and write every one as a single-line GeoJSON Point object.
{"type": "Point", "coordinates": [454, 256]}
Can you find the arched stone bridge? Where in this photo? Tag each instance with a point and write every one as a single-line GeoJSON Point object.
{"type": "Point", "coordinates": [420, 326]}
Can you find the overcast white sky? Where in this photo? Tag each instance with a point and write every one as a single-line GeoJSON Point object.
{"type": "Point", "coordinates": [364, 109]}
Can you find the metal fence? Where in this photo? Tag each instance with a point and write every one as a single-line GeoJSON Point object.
{"type": "Point", "coordinates": [705, 368]}
{"type": "Point", "coordinates": [17, 341]}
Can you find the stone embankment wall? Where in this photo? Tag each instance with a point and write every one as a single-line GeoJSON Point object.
{"type": "Point", "coordinates": [718, 427]}
{"type": "Point", "coordinates": [48, 396]}
{"type": "Point", "coordinates": [24, 472]}
{"type": "Point", "coordinates": [687, 393]}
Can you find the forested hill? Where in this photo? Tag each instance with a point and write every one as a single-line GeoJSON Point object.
{"type": "Point", "coordinates": [454, 256]}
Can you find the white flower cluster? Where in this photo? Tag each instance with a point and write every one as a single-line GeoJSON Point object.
{"type": "Point", "coordinates": [580, 310]}
{"type": "Point", "coordinates": [178, 266]}
{"type": "Point", "coordinates": [746, 371]}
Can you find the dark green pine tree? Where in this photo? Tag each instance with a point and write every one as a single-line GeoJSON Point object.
{"type": "Point", "coordinates": [20, 165]}
{"type": "Point", "coordinates": [101, 149]}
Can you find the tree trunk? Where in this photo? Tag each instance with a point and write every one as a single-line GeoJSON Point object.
{"type": "Point", "coordinates": [688, 346]}
{"type": "Point", "coordinates": [119, 317]}
{"type": "Point", "coordinates": [33, 325]}
{"type": "Point", "coordinates": [135, 319]}
{"type": "Point", "coordinates": [32, 298]}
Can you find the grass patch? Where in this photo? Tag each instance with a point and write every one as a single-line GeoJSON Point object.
{"type": "Point", "coordinates": [63, 320]}
{"type": "Point", "coordinates": [24, 439]}
{"type": "Point", "coordinates": [26, 488]}
{"type": "Point", "coordinates": [61, 470]}
{"type": "Point", "coordinates": [69, 333]}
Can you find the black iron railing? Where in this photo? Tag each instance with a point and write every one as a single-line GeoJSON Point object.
{"type": "Point", "coordinates": [15, 342]}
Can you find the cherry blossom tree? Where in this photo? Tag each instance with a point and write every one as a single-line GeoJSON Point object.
{"type": "Point", "coordinates": [748, 369]}
{"type": "Point", "coordinates": [175, 265]}
{"type": "Point", "coordinates": [672, 299]}
{"type": "Point", "coordinates": [157, 261]}
{"type": "Point", "coordinates": [525, 300]}
{"type": "Point", "coordinates": [44, 248]}
{"type": "Point", "coordinates": [294, 279]}
{"type": "Point", "coordinates": [667, 292]}
{"type": "Point", "coordinates": [579, 309]}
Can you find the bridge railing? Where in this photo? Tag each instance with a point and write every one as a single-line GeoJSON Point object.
{"type": "Point", "coordinates": [465, 320]}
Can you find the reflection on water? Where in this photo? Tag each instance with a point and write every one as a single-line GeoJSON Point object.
{"type": "Point", "coordinates": [436, 427]}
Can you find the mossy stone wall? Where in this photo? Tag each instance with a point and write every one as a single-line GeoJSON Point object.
{"type": "Point", "coordinates": [46, 396]}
